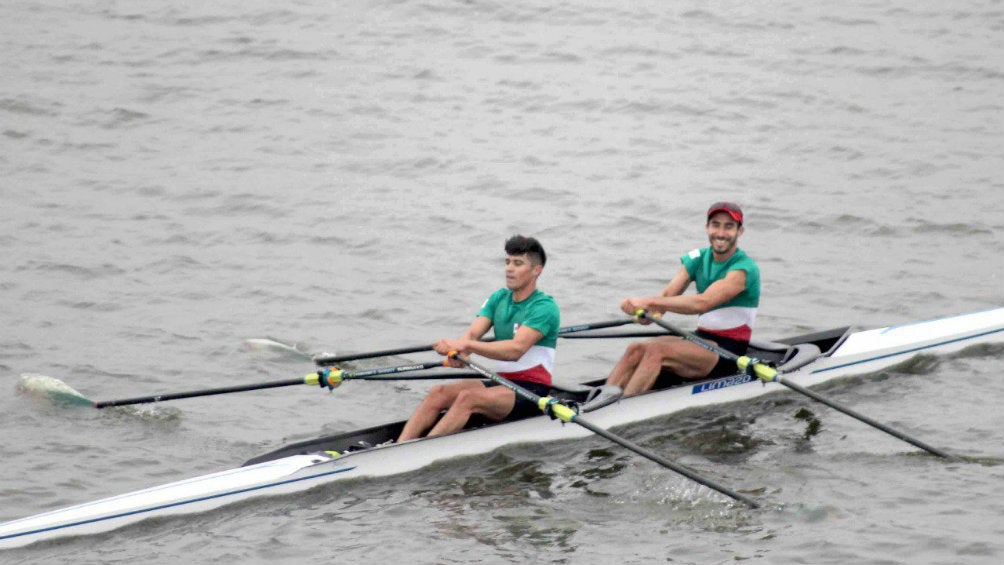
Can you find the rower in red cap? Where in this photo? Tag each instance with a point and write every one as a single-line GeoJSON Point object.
{"type": "Point", "coordinates": [728, 294]}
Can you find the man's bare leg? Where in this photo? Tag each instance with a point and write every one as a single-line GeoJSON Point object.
{"type": "Point", "coordinates": [494, 403]}
{"type": "Point", "coordinates": [625, 367]}
{"type": "Point", "coordinates": [688, 360]}
{"type": "Point", "coordinates": [440, 398]}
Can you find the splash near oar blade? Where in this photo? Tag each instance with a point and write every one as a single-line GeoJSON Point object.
{"type": "Point", "coordinates": [555, 408]}
{"type": "Point", "coordinates": [52, 390]}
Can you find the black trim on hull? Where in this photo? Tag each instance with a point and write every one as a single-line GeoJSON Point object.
{"type": "Point", "coordinates": [777, 353]}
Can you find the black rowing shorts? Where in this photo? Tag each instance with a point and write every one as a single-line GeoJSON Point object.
{"type": "Point", "coordinates": [724, 367]}
{"type": "Point", "coordinates": [523, 407]}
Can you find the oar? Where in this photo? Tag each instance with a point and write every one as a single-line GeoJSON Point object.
{"type": "Point", "coordinates": [767, 373]}
{"type": "Point", "coordinates": [325, 378]}
{"type": "Point", "coordinates": [323, 359]}
{"type": "Point", "coordinates": [596, 326]}
{"type": "Point", "coordinates": [553, 407]}
{"type": "Point", "coordinates": [617, 335]}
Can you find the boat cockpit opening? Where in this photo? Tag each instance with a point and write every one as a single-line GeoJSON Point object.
{"type": "Point", "coordinates": [786, 355]}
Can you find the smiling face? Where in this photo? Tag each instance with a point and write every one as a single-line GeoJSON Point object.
{"type": "Point", "coordinates": [520, 273]}
{"type": "Point", "coordinates": [723, 233]}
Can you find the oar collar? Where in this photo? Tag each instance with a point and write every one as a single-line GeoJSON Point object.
{"type": "Point", "coordinates": [330, 378]}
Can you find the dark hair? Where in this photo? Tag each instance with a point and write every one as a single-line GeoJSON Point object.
{"type": "Point", "coordinates": [520, 245]}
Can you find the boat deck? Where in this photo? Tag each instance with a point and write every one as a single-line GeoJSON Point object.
{"type": "Point", "coordinates": [799, 349]}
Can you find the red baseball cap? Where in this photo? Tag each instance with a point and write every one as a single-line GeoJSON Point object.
{"type": "Point", "coordinates": [730, 208]}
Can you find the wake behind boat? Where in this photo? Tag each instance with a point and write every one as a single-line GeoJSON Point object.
{"type": "Point", "coordinates": [806, 360]}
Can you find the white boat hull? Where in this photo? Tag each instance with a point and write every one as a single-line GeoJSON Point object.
{"type": "Point", "coordinates": [861, 352]}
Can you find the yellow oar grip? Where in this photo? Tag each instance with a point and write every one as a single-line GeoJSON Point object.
{"type": "Point", "coordinates": [640, 313]}
{"type": "Point", "coordinates": [560, 411]}
{"type": "Point", "coordinates": [332, 379]}
{"type": "Point", "coordinates": [335, 378]}
{"type": "Point", "coordinates": [762, 372]}
{"type": "Point", "coordinates": [564, 413]}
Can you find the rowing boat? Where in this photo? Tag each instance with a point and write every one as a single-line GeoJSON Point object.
{"type": "Point", "coordinates": [806, 359]}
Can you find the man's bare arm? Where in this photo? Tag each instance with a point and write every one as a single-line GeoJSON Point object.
{"type": "Point", "coordinates": [718, 293]}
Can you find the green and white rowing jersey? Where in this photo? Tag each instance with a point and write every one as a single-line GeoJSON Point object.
{"type": "Point", "coordinates": [735, 318]}
{"type": "Point", "coordinates": [540, 312]}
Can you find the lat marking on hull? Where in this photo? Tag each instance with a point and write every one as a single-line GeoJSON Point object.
{"type": "Point", "coordinates": [722, 383]}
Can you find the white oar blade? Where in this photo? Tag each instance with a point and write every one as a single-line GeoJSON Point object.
{"type": "Point", "coordinates": [51, 389]}
{"type": "Point", "coordinates": [275, 347]}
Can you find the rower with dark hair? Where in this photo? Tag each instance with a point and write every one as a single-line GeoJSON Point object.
{"type": "Point", "coordinates": [526, 325]}
{"type": "Point", "coordinates": [728, 294]}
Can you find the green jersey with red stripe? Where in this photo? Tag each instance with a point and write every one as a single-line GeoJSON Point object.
{"type": "Point", "coordinates": [538, 311]}
{"type": "Point", "coordinates": [733, 319]}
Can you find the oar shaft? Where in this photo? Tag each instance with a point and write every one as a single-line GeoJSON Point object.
{"type": "Point", "coordinates": [566, 414]}
{"type": "Point", "coordinates": [348, 375]}
{"type": "Point", "coordinates": [334, 377]}
{"type": "Point", "coordinates": [854, 414]}
{"type": "Point", "coordinates": [618, 335]}
{"type": "Point", "coordinates": [312, 379]}
{"type": "Point", "coordinates": [437, 377]}
{"type": "Point", "coordinates": [334, 359]}
{"type": "Point", "coordinates": [196, 393]}
{"type": "Point", "coordinates": [630, 445]}
{"type": "Point", "coordinates": [769, 374]}
{"type": "Point", "coordinates": [595, 326]}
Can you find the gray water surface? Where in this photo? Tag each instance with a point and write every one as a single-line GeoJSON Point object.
{"type": "Point", "coordinates": [175, 179]}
